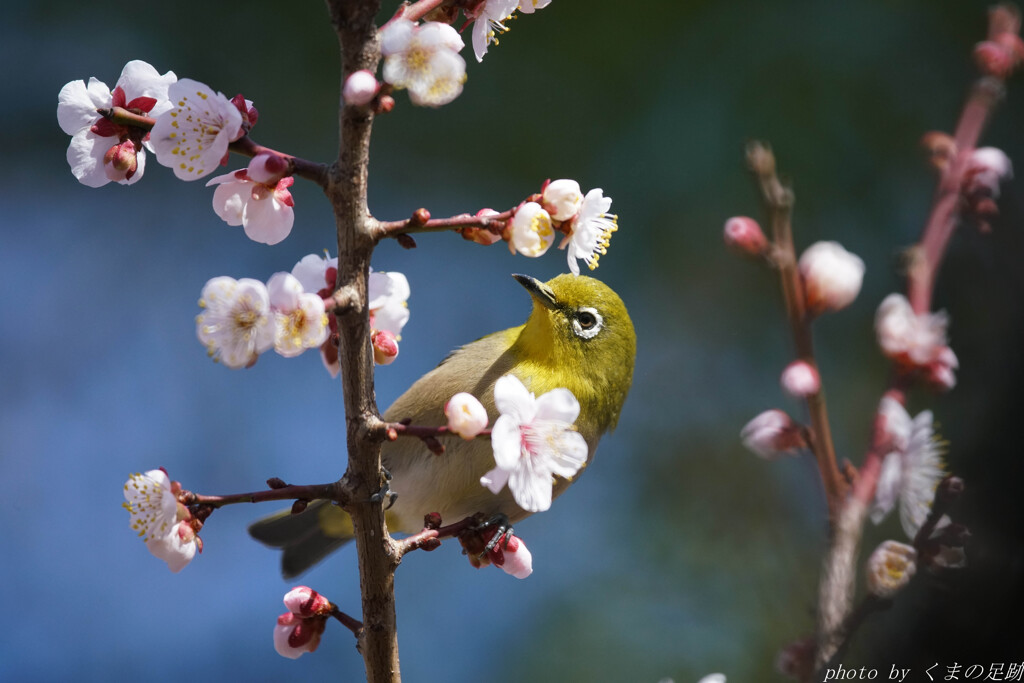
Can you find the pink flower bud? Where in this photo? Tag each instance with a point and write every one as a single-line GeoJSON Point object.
{"type": "Point", "coordinates": [306, 602]}
{"type": "Point", "coordinates": [267, 168]}
{"type": "Point", "coordinates": [995, 59]}
{"type": "Point", "coordinates": [295, 636]}
{"type": "Point", "coordinates": [744, 235]}
{"type": "Point", "coordinates": [360, 88]}
{"type": "Point", "coordinates": [890, 568]}
{"type": "Point", "coordinates": [986, 168]}
{"type": "Point", "coordinates": [772, 434]}
{"type": "Point", "coordinates": [832, 276]}
{"type": "Point", "coordinates": [121, 161]}
{"type": "Point", "coordinates": [466, 415]}
{"type": "Point", "coordinates": [385, 347]}
{"type": "Point", "coordinates": [909, 339]}
{"type": "Point", "coordinates": [514, 557]}
{"type": "Point", "coordinates": [800, 379]}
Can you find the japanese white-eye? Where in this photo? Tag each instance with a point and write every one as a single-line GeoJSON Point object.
{"type": "Point", "coordinates": [578, 336]}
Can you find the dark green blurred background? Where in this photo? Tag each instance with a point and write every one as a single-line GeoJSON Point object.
{"type": "Point", "coordinates": [678, 553]}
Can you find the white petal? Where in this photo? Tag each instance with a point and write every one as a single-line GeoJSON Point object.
{"type": "Point", "coordinates": [229, 200]}
{"type": "Point", "coordinates": [513, 399]}
{"type": "Point", "coordinates": [481, 33]}
{"type": "Point", "coordinates": [495, 480]}
{"type": "Point", "coordinates": [77, 104]}
{"type": "Point", "coordinates": [887, 488]}
{"type": "Point", "coordinates": [311, 272]}
{"type": "Point", "coordinates": [267, 220]}
{"type": "Point", "coordinates": [531, 489]}
{"type": "Point", "coordinates": [569, 454]}
{"type": "Point", "coordinates": [558, 404]}
{"type": "Point", "coordinates": [85, 156]}
{"type": "Point", "coordinates": [396, 36]}
{"type": "Point", "coordinates": [506, 440]}
{"type": "Point", "coordinates": [140, 79]}
{"type": "Point", "coordinates": [391, 317]}
{"type": "Point", "coordinates": [284, 290]}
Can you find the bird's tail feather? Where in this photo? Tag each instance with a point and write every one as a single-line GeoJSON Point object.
{"type": "Point", "coordinates": [306, 537]}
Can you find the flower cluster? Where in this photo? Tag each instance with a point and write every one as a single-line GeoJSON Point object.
{"type": "Point", "coordinates": [583, 220]}
{"type": "Point", "coordinates": [387, 300]}
{"type": "Point", "coordinates": [298, 630]}
{"type": "Point", "coordinates": [100, 150]}
{"type": "Point", "coordinates": [533, 441]}
{"type": "Point", "coordinates": [912, 470]}
{"type": "Point", "coordinates": [166, 525]}
{"type": "Point", "coordinates": [916, 342]}
{"type": "Point", "coordinates": [189, 126]}
{"type": "Point", "coordinates": [243, 318]}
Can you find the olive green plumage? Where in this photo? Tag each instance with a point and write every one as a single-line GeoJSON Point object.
{"type": "Point", "coordinates": [578, 336]}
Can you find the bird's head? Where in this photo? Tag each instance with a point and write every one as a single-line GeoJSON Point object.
{"type": "Point", "coordinates": [580, 337]}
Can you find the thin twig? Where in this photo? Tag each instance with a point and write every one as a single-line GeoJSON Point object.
{"type": "Point", "coordinates": [332, 491]}
{"type": "Point", "coordinates": [412, 225]}
{"type": "Point", "coordinates": [778, 201]}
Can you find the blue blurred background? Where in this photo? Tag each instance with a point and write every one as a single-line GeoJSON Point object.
{"type": "Point", "coordinates": [678, 553]}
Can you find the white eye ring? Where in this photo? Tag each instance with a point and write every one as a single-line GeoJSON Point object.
{"type": "Point", "coordinates": [590, 331]}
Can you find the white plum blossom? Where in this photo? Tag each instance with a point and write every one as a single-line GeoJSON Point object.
{"type": "Point", "coordinates": [424, 59]}
{"type": "Point", "coordinates": [265, 212]}
{"type": "Point", "coordinates": [236, 324]}
{"type": "Point", "coordinates": [713, 678]}
{"type": "Point", "coordinates": [890, 568]}
{"type": "Point", "coordinates": [489, 21]}
{"type": "Point", "coordinates": [153, 506]}
{"type": "Point", "coordinates": [591, 231]}
{"type": "Point", "coordinates": [467, 417]}
{"type": "Point", "coordinates": [916, 340]}
{"type": "Point", "coordinates": [388, 294]}
{"type": "Point", "coordinates": [562, 198]}
{"type": "Point", "coordinates": [192, 137]}
{"type": "Point", "coordinates": [100, 150]}
{"type": "Point", "coordinates": [531, 231]}
{"type": "Point", "coordinates": [832, 276]}
{"type": "Point", "coordinates": [300, 316]}
{"type": "Point", "coordinates": [912, 471]}
{"type": "Point", "coordinates": [533, 440]}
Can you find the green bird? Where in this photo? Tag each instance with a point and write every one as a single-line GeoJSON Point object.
{"type": "Point", "coordinates": [578, 336]}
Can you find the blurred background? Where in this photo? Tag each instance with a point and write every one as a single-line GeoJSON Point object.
{"type": "Point", "coordinates": [679, 553]}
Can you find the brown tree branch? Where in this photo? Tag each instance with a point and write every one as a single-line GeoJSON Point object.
{"type": "Point", "coordinates": [346, 189]}
{"type": "Point", "coordinates": [778, 200]}
{"type": "Point", "coordinates": [414, 224]}
{"type": "Point", "coordinates": [332, 491]}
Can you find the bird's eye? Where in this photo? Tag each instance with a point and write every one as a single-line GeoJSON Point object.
{"type": "Point", "coordinates": [587, 323]}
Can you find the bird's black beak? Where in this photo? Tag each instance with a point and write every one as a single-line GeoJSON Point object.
{"type": "Point", "coordinates": [540, 292]}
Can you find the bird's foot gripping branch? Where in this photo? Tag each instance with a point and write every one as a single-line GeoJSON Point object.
{"type": "Point", "coordinates": [550, 412]}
